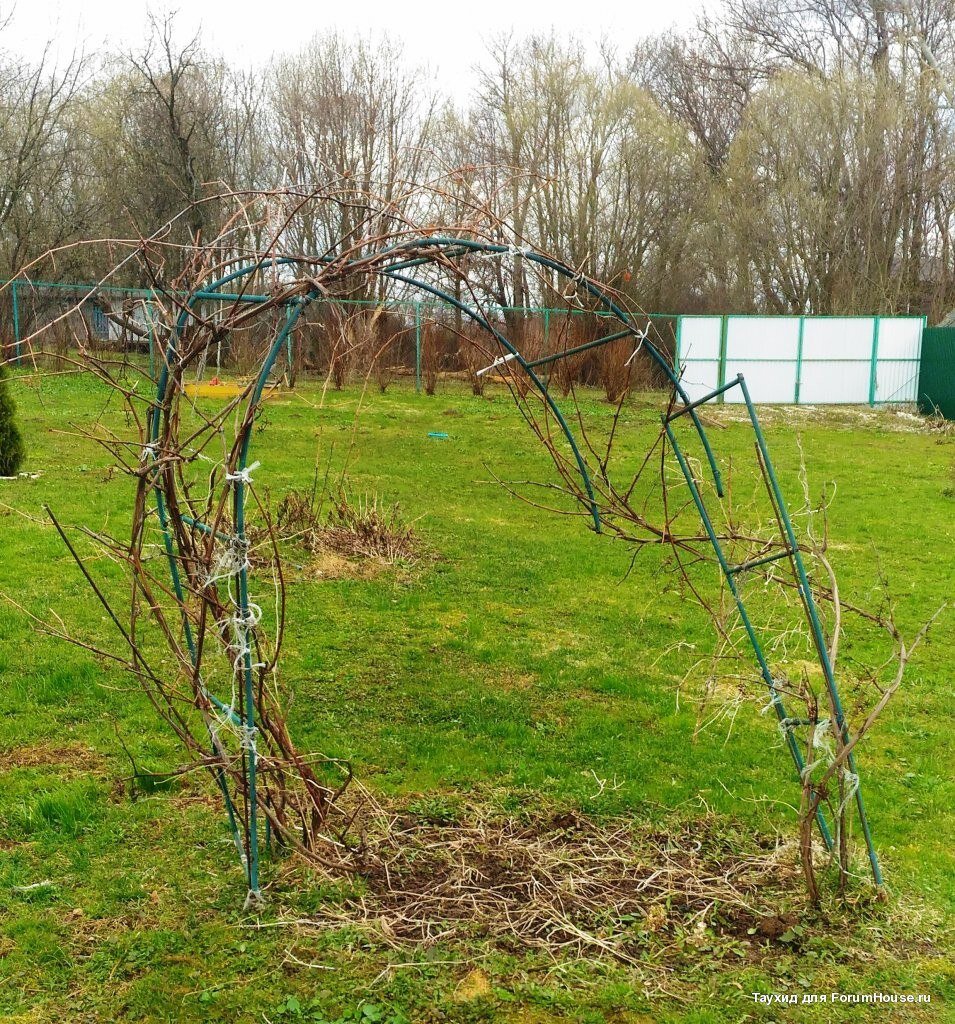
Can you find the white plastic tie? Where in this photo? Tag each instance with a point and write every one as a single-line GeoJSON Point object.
{"type": "Point", "coordinates": [642, 335]}
{"type": "Point", "coordinates": [243, 475]}
{"type": "Point", "coordinates": [149, 449]}
{"type": "Point", "coordinates": [500, 361]}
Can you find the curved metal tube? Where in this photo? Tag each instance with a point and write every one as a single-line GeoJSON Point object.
{"type": "Point", "coordinates": [395, 271]}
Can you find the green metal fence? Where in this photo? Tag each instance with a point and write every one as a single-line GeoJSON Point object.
{"type": "Point", "coordinates": [417, 311]}
{"type": "Point", "coordinates": [937, 372]}
{"type": "Point", "coordinates": [786, 359]}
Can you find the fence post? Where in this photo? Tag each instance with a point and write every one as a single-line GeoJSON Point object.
{"type": "Point", "coordinates": [721, 375]}
{"type": "Point", "coordinates": [16, 321]}
{"type": "Point", "coordinates": [802, 325]}
{"type": "Point", "coordinates": [874, 370]}
{"type": "Point", "coordinates": [547, 331]}
{"type": "Point", "coordinates": [417, 346]}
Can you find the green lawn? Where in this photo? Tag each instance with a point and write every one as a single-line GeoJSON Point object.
{"type": "Point", "coordinates": [514, 665]}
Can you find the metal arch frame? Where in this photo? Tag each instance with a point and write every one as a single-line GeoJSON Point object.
{"type": "Point", "coordinates": [450, 248]}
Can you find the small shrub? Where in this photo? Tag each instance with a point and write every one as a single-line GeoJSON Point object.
{"type": "Point", "coordinates": [12, 451]}
{"type": "Point", "coordinates": [430, 358]}
{"type": "Point", "coordinates": [353, 528]}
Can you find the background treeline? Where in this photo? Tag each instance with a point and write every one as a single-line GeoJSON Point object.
{"type": "Point", "coordinates": [786, 156]}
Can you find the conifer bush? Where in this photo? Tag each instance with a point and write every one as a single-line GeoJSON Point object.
{"type": "Point", "coordinates": [11, 440]}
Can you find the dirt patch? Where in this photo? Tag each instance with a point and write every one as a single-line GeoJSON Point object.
{"type": "Point", "coordinates": [72, 758]}
{"type": "Point", "coordinates": [577, 888]}
{"type": "Point", "coordinates": [329, 565]}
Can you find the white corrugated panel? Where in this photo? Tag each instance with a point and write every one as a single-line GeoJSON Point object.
{"type": "Point", "coordinates": [900, 338]}
{"type": "Point", "coordinates": [836, 363]}
{"type": "Point", "coordinates": [763, 349]}
{"type": "Point", "coordinates": [766, 380]}
{"type": "Point", "coordinates": [897, 381]}
{"type": "Point", "coordinates": [897, 369]}
{"type": "Point", "coordinates": [700, 337]}
{"type": "Point", "coordinates": [829, 382]}
{"type": "Point", "coordinates": [838, 337]}
{"type": "Point", "coordinates": [699, 354]}
{"type": "Point", "coordinates": [836, 360]}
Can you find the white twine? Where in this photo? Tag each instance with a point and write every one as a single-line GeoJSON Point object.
{"type": "Point", "coordinates": [821, 738]}
{"type": "Point", "coordinates": [149, 448]}
{"type": "Point", "coordinates": [247, 734]}
{"type": "Point", "coordinates": [570, 292]}
{"type": "Point", "coordinates": [851, 781]}
{"type": "Point", "coordinates": [243, 475]}
{"type": "Point", "coordinates": [230, 560]}
{"type": "Point", "coordinates": [243, 627]}
{"type": "Point", "coordinates": [773, 701]}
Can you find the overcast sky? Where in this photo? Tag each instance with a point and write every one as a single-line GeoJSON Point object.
{"type": "Point", "coordinates": [448, 36]}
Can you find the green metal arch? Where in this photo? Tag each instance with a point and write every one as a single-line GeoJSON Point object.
{"type": "Point", "coordinates": [452, 247]}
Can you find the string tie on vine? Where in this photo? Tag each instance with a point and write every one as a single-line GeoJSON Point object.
{"type": "Point", "coordinates": [230, 560]}
{"type": "Point", "coordinates": [243, 475]}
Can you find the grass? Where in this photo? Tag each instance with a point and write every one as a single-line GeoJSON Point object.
{"type": "Point", "coordinates": [517, 666]}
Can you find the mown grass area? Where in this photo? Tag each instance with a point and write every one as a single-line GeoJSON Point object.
{"type": "Point", "coordinates": [517, 667]}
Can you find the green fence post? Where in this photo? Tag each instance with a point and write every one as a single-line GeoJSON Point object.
{"type": "Point", "coordinates": [802, 326]}
{"type": "Point", "coordinates": [547, 330]}
{"type": "Point", "coordinates": [721, 376]}
{"type": "Point", "coordinates": [16, 321]}
{"type": "Point", "coordinates": [874, 370]}
{"type": "Point", "coordinates": [417, 346]}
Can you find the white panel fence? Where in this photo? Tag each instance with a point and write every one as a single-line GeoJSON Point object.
{"type": "Point", "coordinates": [805, 360]}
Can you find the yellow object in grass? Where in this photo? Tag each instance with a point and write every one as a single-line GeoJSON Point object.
{"type": "Point", "coordinates": [223, 389]}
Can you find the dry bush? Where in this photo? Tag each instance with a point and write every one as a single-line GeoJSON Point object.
{"type": "Point", "coordinates": [474, 353]}
{"type": "Point", "coordinates": [614, 366]}
{"type": "Point", "coordinates": [362, 527]}
{"type": "Point", "coordinates": [241, 352]}
{"type": "Point", "coordinates": [567, 332]}
{"type": "Point", "coordinates": [386, 332]}
{"type": "Point", "coordinates": [340, 358]}
{"type": "Point", "coordinates": [432, 338]}
{"type": "Point", "coordinates": [529, 338]}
